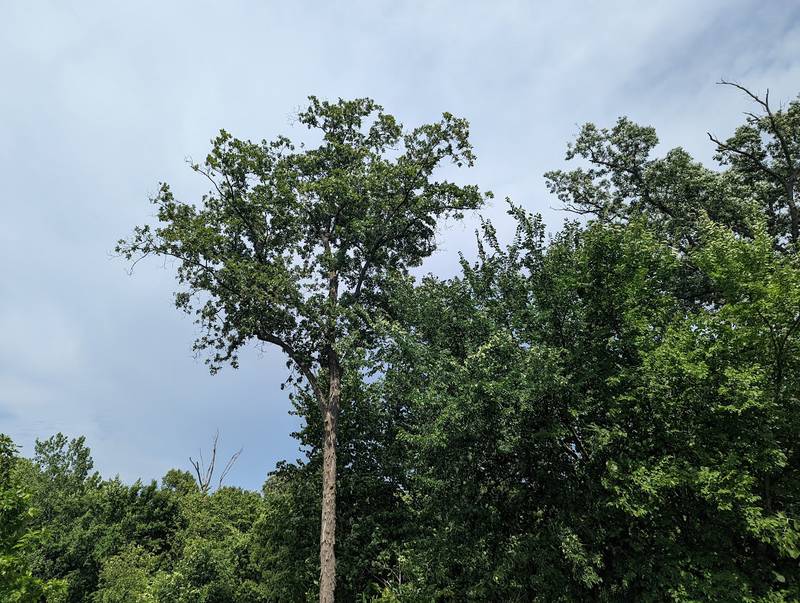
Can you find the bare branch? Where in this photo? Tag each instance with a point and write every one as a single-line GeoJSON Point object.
{"type": "Point", "coordinates": [748, 155]}
{"type": "Point", "coordinates": [231, 462]}
{"type": "Point", "coordinates": [753, 96]}
{"type": "Point", "coordinates": [303, 366]}
{"type": "Point", "coordinates": [198, 472]}
{"type": "Point", "coordinates": [205, 474]}
{"type": "Point", "coordinates": [785, 149]}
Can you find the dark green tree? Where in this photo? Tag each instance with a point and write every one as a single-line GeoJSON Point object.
{"type": "Point", "coordinates": [764, 160]}
{"type": "Point", "coordinates": [612, 414]}
{"type": "Point", "coordinates": [292, 247]}
{"type": "Point", "coordinates": [19, 537]}
{"type": "Point", "coordinates": [622, 179]}
{"type": "Point", "coordinates": [89, 520]}
{"type": "Point", "coordinates": [578, 432]}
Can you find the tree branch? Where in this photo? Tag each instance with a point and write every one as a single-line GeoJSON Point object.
{"type": "Point", "coordinates": [748, 155]}
{"type": "Point", "coordinates": [304, 368]}
{"type": "Point", "coordinates": [770, 116]}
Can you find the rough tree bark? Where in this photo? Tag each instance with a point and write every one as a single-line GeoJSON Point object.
{"type": "Point", "coordinates": [330, 415]}
{"type": "Point", "coordinates": [327, 540]}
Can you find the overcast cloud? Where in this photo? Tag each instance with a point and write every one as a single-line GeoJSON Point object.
{"type": "Point", "coordinates": [102, 100]}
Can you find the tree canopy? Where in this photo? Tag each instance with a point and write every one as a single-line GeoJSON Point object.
{"type": "Point", "coordinates": [605, 412]}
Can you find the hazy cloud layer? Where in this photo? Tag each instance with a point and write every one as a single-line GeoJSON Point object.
{"type": "Point", "coordinates": [103, 100]}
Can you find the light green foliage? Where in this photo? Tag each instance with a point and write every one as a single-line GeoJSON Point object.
{"type": "Point", "coordinates": [511, 370]}
{"type": "Point", "coordinates": [18, 538]}
{"type": "Point", "coordinates": [207, 560]}
{"type": "Point", "coordinates": [127, 578]}
{"type": "Point", "coordinates": [90, 520]}
{"type": "Point", "coordinates": [216, 563]}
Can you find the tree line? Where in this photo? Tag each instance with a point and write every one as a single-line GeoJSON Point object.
{"type": "Point", "coordinates": [606, 413]}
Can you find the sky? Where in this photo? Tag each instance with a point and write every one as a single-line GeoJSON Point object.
{"type": "Point", "coordinates": [100, 101]}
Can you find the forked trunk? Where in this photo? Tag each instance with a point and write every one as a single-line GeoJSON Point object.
{"type": "Point", "coordinates": [327, 540]}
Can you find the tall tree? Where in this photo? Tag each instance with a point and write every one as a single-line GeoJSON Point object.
{"type": "Point", "coordinates": [292, 247]}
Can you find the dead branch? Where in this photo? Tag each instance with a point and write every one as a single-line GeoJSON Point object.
{"type": "Point", "coordinates": [205, 473]}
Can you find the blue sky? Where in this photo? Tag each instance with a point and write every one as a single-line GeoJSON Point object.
{"type": "Point", "coordinates": [103, 100]}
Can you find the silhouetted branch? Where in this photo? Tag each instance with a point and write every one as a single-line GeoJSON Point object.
{"type": "Point", "coordinates": [205, 474]}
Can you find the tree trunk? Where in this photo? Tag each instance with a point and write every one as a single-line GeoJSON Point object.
{"type": "Point", "coordinates": [327, 539]}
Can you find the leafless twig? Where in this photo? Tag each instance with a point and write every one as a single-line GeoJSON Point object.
{"type": "Point", "coordinates": [205, 473]}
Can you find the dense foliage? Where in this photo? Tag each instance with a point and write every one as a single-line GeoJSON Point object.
{"type": "Point", "coordinates": [608, 413]}
{"type": "Point", "coordinates": [19, 536]}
